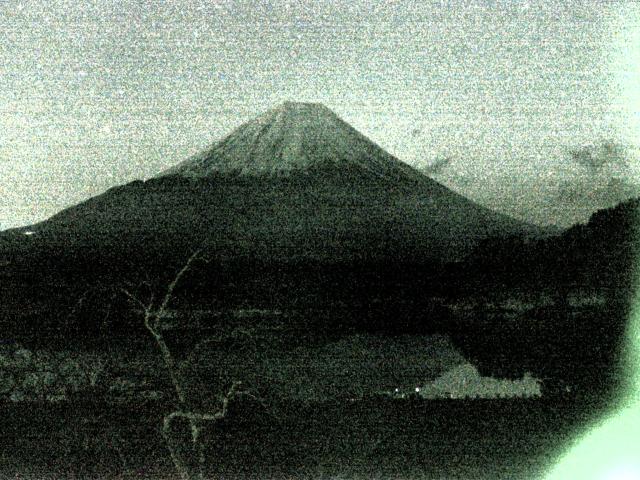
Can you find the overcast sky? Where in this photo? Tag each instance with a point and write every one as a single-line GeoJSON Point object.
{"type": "Point", "coordinates": [523, 97]}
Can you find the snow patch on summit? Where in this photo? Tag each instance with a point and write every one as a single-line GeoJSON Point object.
{"type": "Point", "coordinates": [293, 137]}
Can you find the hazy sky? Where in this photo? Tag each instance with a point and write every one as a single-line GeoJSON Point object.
{"type": "Point", "coordinates": [524, 97]}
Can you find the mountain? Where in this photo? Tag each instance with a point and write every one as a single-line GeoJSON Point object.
{"type": "Point", "coordinates": [295, 183]}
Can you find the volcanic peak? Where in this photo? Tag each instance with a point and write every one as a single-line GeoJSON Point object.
{"type": "Point", "coordinates": [292, 137]}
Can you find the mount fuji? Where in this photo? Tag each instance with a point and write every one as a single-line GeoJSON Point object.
{"type": "Point", "coordinates": [295, 183]}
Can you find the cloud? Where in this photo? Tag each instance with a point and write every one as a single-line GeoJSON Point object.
{"type": "Point", "coordinates": [438, 166]}
{"type": "Point", "coordinates": [598, 157]}
{"type": "Point", "coordinates": [602, 179]}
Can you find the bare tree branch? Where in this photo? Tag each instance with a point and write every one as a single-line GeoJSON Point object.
{"type": "Point", "coordinates": [78, 305]}
{"type": "Point", "coordinates": [152, 321]}
{"type": "Point", "coordinates": [174, 283]}
{"type": "Point", "coordinates": [195, 419]}
{"type": "Point", "coordinates": [133, 299]}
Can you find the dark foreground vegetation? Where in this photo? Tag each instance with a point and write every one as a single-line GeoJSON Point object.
{"type": "Point", "coordinates": [555, 308]}
{"type": "Point", "coordinates": [375, 438]}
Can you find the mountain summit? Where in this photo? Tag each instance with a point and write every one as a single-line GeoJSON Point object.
{"type": "Point", "coordinates": [290, 138]}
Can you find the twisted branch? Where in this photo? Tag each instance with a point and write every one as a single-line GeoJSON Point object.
{"type": "Point", "coordinates": [195, 419]}
{"type": "Point", "coordinates": [152, 320]}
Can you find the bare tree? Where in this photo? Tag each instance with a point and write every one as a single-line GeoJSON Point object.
{"type": "Point", "coordinates": [153, 312]}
